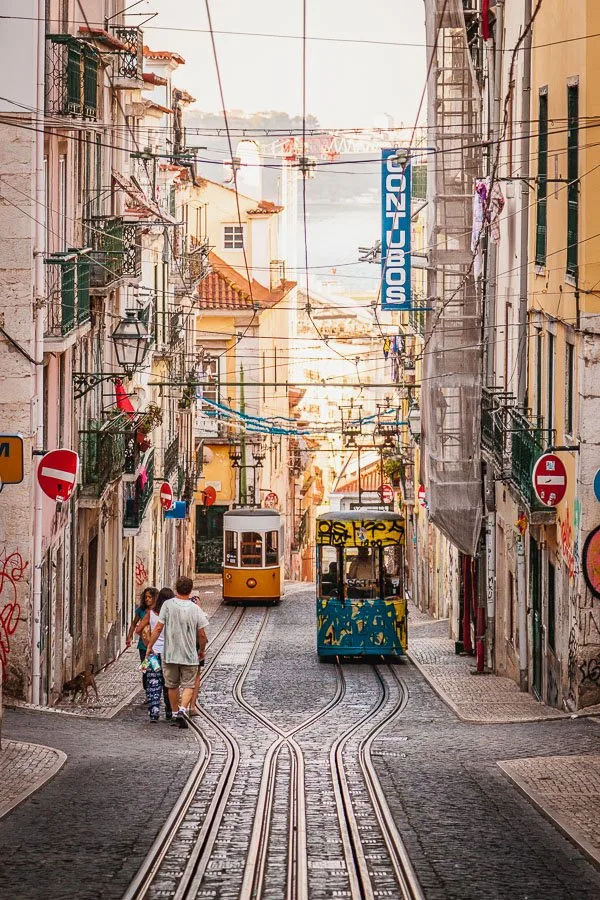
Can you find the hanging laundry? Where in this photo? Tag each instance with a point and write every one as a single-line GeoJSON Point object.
{"type": "Point", "coordinates": [386, 347]}
{"type": "Point", "coordinates": [123, 401]}
{"type": "Point", "coordinates": [479, 216]}
{"type": "Point", "coordinates": [485, 19]}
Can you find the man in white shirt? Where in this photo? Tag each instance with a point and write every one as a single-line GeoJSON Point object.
{"type": "Point", "coordinates": [184, 624]}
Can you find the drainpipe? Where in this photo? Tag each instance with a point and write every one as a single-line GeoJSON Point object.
{"type": "Point", "coordinates": [522, 598]}
{"type": "Point", "coordinates": [38, 350]}
{"type": "Point", "coordinates": [524, 254]}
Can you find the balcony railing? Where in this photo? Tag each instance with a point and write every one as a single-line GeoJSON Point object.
{"type": "Point", "coordinates": [67, 292]}
{"type": "Point", "coordinates": [102, 455]}
{"type": "Point", "coordinates": [116, 250]}
{"type": "Point", "coordinates": [513, 441]}
{"type": "Point", "coordinates": [191, 265]}
{"type": "Point", "coordinates": [171, 457]}
{"type": "Point", "coordinates": [71, 87]}
{"type": "Point", "coordinates": [129, 62]}
{"type": "Point", "coordinates": [137, 495]}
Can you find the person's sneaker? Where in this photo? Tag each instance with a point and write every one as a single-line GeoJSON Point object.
{"type": "Point", "coordinates": [182, 720]}
{"type": "Point", "coordinates": [153, 720]}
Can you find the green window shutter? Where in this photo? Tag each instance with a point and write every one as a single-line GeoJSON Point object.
{"type": "Point", "coordinates": [541, 235]}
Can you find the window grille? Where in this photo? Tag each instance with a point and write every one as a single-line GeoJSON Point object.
{"type": "Point", "coordinates": [573, 176]}
{"type": "Point", "coordinates": [233, 237]}
{"type": "Point", "coordinates": [542, 185]}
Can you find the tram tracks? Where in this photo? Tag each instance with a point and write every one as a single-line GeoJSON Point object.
{"type": "Point", "coordinates": [178, 860]}
{"type": "Point", "coordinates": [367, 873]}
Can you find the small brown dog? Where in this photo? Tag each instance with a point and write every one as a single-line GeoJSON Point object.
{"type": "Point", "coordinates": [81, 684]}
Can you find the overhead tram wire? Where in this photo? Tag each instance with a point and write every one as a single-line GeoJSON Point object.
{"type": "Point", "coordinates": [297, 37]}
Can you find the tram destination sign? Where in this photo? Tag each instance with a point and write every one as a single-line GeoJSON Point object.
{"type": "Point", "coordinates": [395, 229]}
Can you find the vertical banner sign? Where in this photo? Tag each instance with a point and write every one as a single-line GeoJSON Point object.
{"type": "Point", "coordinates": [395, 232]}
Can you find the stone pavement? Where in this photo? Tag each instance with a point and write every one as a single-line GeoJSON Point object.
{"type": "Point", "coordinates": [477, 699]}
{"type": "Point", "coordinates": [566, 789]}
{"type": "Point", "coordinates": [25, 768]}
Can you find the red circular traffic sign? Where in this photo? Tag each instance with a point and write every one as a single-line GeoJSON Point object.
{"type": "Point", "coordinates": [271, 500]}
{"type": "Point", "coordinates": [209, 495]}
{"type": "Point", "coordinates": [166, 495]}
{"type": "Point", "coordinates": [549, 479]}
{"type": "Point", "coordinates": [386, 492]}
{"type": "Point", "coordinates": [57, 473]}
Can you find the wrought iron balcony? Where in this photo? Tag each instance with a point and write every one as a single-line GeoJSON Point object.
{"type": "Point", "coordinates": [191, 265]}
{"type": "Point", "coordinates": [137, 495]}
{"type": "Point", "coordinates": [512, 441]}
{"type": "Point", "coordinates": [116, 250]}
{"type": "Point", "coordinates": [129, 62]}
{"type": "Point", "coordinates": [67, 292]}
{"type": "Point", "coordinates": [71, 87]}
{"type": "Point", "coordinates": [171, 457]}
{"type": "Point", "coordinates": [102, 455]}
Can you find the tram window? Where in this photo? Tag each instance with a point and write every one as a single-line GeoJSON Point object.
{"type": "Point", "coordinates": [328, 572]}
{"type": "Point", "coordinates": [271, 548]}
{"type": "Point", "coordinates": [361, 568]}
{"type": "Point", "coordinates": [393, 581]}
{"type": "Point", "coordinates": [231, 548]}
{"type": "Point", "coordinates": [251, 554]}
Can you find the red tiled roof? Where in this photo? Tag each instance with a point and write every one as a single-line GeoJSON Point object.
{"type": "Point", "coordinates": [226, 288]}
{"type": "Point", "coordinates": [158, 106]}
{"type": "Point", "coordinates": [163, 54]}
{"type": "Point", "coordinates": [152, 78]}
{"type": "Point", "coordinates": [265, 207]}
{"type": "Point", "coordinates": [104, 37]}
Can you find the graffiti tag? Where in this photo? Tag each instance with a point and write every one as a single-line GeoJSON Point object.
{"type": "Point", "coordinates": [12, 569]}
{"type": "Point", "coordinates": [360, 532]}
{"type": "Point", "coordinates": [141, 573]}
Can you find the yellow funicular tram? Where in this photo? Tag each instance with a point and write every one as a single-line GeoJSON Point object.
{"type": "Point", "coordinates": [253, 548]}
{"type": "Point", "coordinates": [361, 603]}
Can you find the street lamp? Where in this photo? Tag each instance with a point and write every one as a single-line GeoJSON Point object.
{"type": "Point", "coordinates": [414, 422]}
{"type": "Point", "coordinates": [132, 342]}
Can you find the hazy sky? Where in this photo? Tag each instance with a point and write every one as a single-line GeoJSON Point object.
{"type": "Point", "coordinates": [348, 84]}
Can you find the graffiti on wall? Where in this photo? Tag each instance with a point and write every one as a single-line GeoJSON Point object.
{"type": "Point", "coordinates": [12, 570]}
{"type": "Point", "coordinates": [366, 532]}
{"type": "Point", "coordinates": [573, 659]}
{"type": "Point", "coordinates": [141, 573]}
{"type": "Point", "coordinates": [567, 545]}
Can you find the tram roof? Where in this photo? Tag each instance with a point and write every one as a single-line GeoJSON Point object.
{"type": "Point", "coordinates": [252, 513]}
{"type": "Point", "coordinates": [357, 515]}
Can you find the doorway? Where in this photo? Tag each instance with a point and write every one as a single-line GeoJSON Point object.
{"type": "Point", "coordinates": [535, 570]}
{"type": "Point", "coordinates": [209, 538]}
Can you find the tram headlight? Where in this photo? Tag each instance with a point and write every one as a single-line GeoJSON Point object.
{"type": "Point", "coordinates": [251, 582]}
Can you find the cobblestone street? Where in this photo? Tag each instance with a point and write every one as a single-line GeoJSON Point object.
{"type": "Point", "coordinates": [455, 788]}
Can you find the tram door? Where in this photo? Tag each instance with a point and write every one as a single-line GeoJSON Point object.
{"type": "Point", "coordinates": [536, 616]}
{"type": "Point", "coordinates": [209, 538]}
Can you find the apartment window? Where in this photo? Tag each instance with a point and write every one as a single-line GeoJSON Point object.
{"type": "Point", "coordinates": [542, 183]}
{"type": "Point", "coordinates": [47, 203]}
{"type": "Point", "coordinates": [551, 606]}
{"type": "Point", "coordinates": [233, 237]}
{"type": "Point", "coordinates": [62, 201]}
{"type": "Point", "coordinates": [551, 376]}
{"type": "Point", "coordinates": [573, 176]}
{"type": "Point", "coordinates": [569, 387]}
{"type": "Point", "coordinates": [97, 203]}
{"type": "Point", "coordinates": [510, 135]}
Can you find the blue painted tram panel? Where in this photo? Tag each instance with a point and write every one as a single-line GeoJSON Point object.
{"type": "Point", "coordinates": [361, 603]}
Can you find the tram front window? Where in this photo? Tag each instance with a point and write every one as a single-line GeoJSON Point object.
{"type": "Point", "coordinates": [251, 549]}
{"type": "Point", "coordinates": [361, 572]}
{"type": "Point", "coordinates": [231, 548]}
{"type": "Point", "coordinates": [328, 572]}
{"type": "Point", "coordinates": [271, 548]}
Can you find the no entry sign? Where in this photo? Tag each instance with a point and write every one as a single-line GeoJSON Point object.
{"type": "Point", "coordinates": [57, 473]}
{"type": "Point", "coordinates": [549, 479]}
{"type": "Point", "coordinates": [271, 500]}
{"type": "Point", "coordinates": [166, 495]}
{"type": "Point", "coordinates": [386, 492]}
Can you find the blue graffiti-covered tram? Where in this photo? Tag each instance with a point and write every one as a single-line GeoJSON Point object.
{"type": "Point", "coordinates": [361, 604]}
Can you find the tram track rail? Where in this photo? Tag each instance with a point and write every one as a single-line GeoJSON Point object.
{"type": "Point", "coordinates": [359, 875]}
{"type": "Point", "coordinates": [148, 871]}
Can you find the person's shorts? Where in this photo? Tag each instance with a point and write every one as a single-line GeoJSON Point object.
{"type": "Point", "coordinates": [179, 676]}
